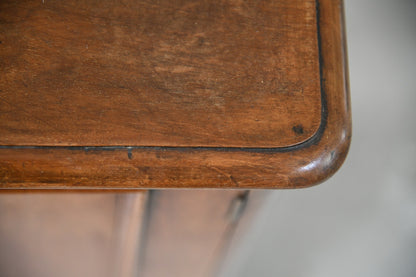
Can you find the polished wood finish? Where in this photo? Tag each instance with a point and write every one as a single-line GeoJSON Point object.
{"type": "Point", "coordinates": [125, 95]}
{"type": "Point", "coordinates": [207, 153]}
{"type": "Point", "coordinates": [171, 73]}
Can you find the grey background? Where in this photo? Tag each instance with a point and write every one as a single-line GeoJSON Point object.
{"type": "Point", "coordinates": [362, 222]}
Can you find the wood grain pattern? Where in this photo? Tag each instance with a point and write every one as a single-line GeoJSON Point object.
{"type": "Point", "coordinates": [301, 165]}
{"type": "Point", "coordinates": [169, 73]}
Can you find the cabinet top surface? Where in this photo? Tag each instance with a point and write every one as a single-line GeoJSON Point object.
{"type": "Point", "coordinates": [166, 73]}
{"type": "Point", "coordinates": [172, 94]}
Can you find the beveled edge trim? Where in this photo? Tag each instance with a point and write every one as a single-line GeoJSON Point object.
{"type": "Point", "coordinates": [301, 165]}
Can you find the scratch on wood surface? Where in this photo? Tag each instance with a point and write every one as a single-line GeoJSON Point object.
{"type": "Point", "coordinates": [229, 176]}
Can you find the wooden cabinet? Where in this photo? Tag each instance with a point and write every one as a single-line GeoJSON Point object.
{"type": "Point", "coordinates": [102, 102]}
{"type": "Point", "coordinates": [141, 233]}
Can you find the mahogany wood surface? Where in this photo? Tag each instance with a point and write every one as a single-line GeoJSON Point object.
{"type": "Point", "coordinates": [178, 127]}
{"type": "Point", "coordinates": [165, 73]}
